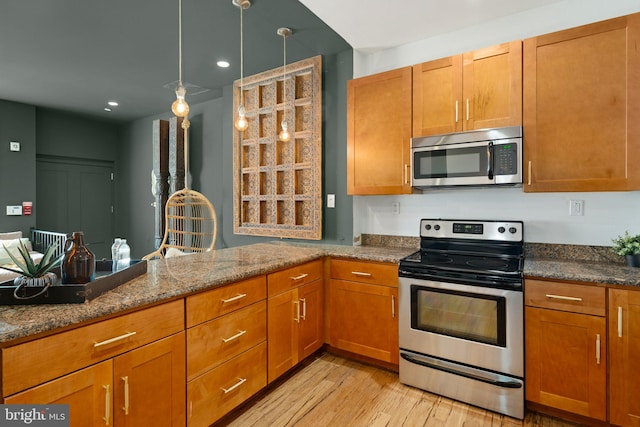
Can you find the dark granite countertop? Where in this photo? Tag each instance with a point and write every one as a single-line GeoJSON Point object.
{"type": "Point", "coordinates": [583, 271]}
{"type": "Point", "coordinates": [178, 277]}
{"type": "Point", "coordinates": [175, 278]}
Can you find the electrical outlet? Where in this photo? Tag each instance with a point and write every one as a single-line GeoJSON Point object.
{"type": "Point", "coordinates": [14, 146]}
{"type": "Point", "coordinates": [395, 208]}
{"type": "Point", "coordinates": [576, 207]}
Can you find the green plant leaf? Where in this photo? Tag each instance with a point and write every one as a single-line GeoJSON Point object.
{"type": "Point", "coordinates": [21, 264]}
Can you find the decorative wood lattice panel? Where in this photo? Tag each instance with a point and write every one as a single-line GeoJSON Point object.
{"type": "Point", "coordinates": [278, 185]}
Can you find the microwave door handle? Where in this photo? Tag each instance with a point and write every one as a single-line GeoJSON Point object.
{"type": "Point", "coordinates": [490, 160]}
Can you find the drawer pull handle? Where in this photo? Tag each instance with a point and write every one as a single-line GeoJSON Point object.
{"type": "Point", "coordinates": [114, 339]}
{"type": "Point", "coordinates": [598, 349]}
{"type": "Point", "coordinates": [303, 316]}
{"type": "Point", "coordinates": [107, 403]}
{"type": "Point", "coordinates": [456, 111]}
{"type": "Point", "coordinates": [126, 395]}
{"type": "Point", "coordinates": [232, 299]}
{"type": "Point", "coordinates": [562, 297]}
{"type": "Point", "coordinates": [362, 274]}
{"type": "Point", "coordinates": [235, 337]}
{"type": "Point", "coordinates": [235, 386]}
{"type": "Point", "coordinates": [406, 173]}
{"type": "Point", "coordinates": [300, 277]}
{"type": "Point", "coordinates": [529, 173]}
{"type": "Point", "coordinates": [619, 322]}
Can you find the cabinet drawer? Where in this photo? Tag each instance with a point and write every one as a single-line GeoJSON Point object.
{"type": "Point", "coordinates": [211, 343]}
{"type": "Point", "coordinates": [217, 392]}
{"type": "Point", "coordinates": [293, 277]}
{"type": "Point", "coordinates": [32, 363]}
{"type": "Point", "coordinates": [583, 299]}
{"type": "Point", "coordinates": [365, 272]}
{"type": "Point", "coordinates": [225, 299]}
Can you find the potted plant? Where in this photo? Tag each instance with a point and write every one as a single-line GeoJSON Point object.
{"type": "Point", "coordinates": [629, 247]}
{"type": "Point", "coordinates": [32, 273]}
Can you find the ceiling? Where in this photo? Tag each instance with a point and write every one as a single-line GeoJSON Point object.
{"type": "Point", "coordinates": [75, 55]}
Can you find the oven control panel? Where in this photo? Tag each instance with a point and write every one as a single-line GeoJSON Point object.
{"type": "Point", "coordinates": [509, 231]}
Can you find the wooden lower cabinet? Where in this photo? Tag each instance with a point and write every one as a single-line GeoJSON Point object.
{"type": "Point", "coordinates": [566, 361]}
{"type": "Point", "coordinates": [624, 357]}
{"type": "Point", "coordinates": [362, 310]}
{"type": "Point", "coordinates": [88, 393]}
{"type": "Point", "coordinates": [145, 386]}
{"type": "Point", "coordinates": [149, 384]}
{"type": "Point", "coordinates": [215, 393]}
{"type": "Point", "coordinates": [294, 327]}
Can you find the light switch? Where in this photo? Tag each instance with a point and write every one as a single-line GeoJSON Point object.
{"type": "Point", "coordinates": [331, 200]}
{"type": "Point", "coordinates": [14, 146]}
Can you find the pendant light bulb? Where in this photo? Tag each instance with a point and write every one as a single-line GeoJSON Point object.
{"type": "Point", "coordinates": [284, 134]}
{"type": "Point", "coordinates": [180, 107]}
{"type": "Point", "coordinates": [241, 122]}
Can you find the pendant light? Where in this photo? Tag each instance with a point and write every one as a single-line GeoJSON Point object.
{"type": "Point", "coordinates": [284, 134]}
{"type": "Point", "coordinates": [241, 123]}
{"type": "Point", "coordinates": [180, 107]}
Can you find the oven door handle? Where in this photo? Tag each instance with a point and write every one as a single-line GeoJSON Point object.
{"type": "Point", "coordinates": [422, 362]}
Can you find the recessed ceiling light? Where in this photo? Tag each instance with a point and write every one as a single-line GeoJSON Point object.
{"type": "Point", "coordinates": [113, 103]}
{"type": "Point", "coordinates": [223, 64]}
{"type": "Point", "coordinates": [107, 109]}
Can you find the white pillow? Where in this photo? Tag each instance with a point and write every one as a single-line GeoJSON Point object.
{"type": "Point", "coordinates": [11, 245]}
{"type": "Point", "coordinates": [11, 235]}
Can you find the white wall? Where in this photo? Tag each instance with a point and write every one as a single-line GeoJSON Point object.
{"type": "Point", "coordinates": [546, 215]}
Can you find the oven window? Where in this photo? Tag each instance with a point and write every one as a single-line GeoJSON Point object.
{"type": "Point", "coordinates": [452, 162]}
{"type": "Point", "coordinates": [474, 317]}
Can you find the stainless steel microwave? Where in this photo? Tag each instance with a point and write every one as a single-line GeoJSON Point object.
{"type": "Point", "coordinates": [476, 158]}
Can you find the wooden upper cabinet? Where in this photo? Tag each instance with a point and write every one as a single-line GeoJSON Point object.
{"type": "Point", "coordinates": [581, 107]}
{"type": "Point", "coordinates": [379, 133]}
{"type": "Point", "coordinates": [476, 90]}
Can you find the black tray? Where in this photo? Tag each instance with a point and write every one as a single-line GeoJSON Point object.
{"type": "Point", "coordinates": [64, 294]}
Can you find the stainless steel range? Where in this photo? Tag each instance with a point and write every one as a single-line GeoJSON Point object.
{"type": "Point", "coordinates": [461, 313]}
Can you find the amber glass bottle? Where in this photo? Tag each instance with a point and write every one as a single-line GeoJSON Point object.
{"type": "Point", "coordinates": [78, 264]}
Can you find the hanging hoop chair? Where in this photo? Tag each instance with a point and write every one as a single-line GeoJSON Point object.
{"type": "Point", "coordinates": [191, 225]}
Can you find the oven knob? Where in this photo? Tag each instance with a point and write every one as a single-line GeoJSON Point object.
{"type": "Point", "coordinates": [500, 229]}
{"type": "Point", "coordinates": [427, 227]}
{"type": "Point", "coordinates": [436, 227]}
{"type": "Point", "coordinates": [512, 230]}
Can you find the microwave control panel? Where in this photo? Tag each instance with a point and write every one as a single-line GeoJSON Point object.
{"type": "Point", "coordinates": [506, 159]}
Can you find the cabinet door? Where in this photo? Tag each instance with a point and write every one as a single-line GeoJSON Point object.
{"type": "Point", "coordinates": [437, 96]}
{"type": "Point", "coordinates": [150, 384]}
{"type": "Point", "coordinates": [310, 334]}
{"type": "Point", "coordinates": [283, 318]}
{"type": "Point", "coordinates": [581, 103]}
{"type": "Point", "coordinates": [379, 133]}
{"type": "Point", "coordinates": [88, 392]}
{"type": "Point", "coordinates": [363, 319]}
{"type": "Point", "coordinates": [624, 354]}
{"type": "Point", "coordinates": [566, 365]}
{"type": "Point", "coordinates": [492, 87]}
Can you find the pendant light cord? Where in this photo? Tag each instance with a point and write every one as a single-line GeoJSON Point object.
{"type": "Point", "coordinates": [179, 43]}
{"type": "Point", "coordinates": [241, 55]}
{"type": "Point", "coordinates": [284, 77]}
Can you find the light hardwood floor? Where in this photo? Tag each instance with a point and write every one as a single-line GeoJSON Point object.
{"type": "Point", "coordinates": [333, 391]}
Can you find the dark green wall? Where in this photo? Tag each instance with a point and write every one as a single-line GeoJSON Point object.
{"type": "Point", "coordinates": [211, 165]}
{"type": "Point", "coordinates": [45, 132]}
{"type": "Point", "coordinates": [17, 169]}
{"type": "Point", "coordinates": [62, 134]}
